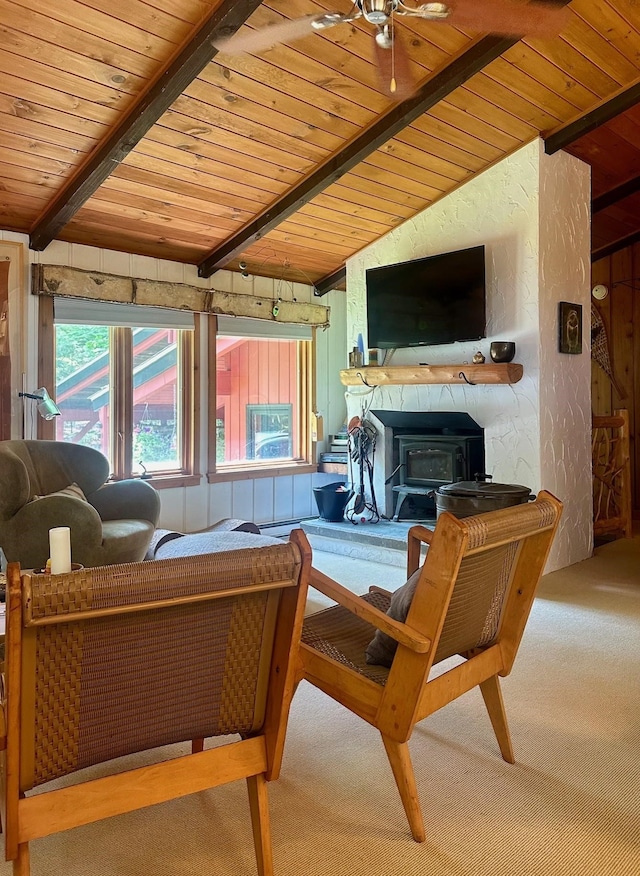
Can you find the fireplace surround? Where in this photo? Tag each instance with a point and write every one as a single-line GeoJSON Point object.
{"type": "Point", "coordinates": [419, 451]}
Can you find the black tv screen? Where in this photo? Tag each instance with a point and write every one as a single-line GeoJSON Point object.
{"type": "Point", "coordinates": [436, 300]}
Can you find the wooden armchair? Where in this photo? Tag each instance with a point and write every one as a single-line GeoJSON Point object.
{"type": "Point", "coordinates": [472, 598]}
{"type": "Point", "coordinates": [109, 661]}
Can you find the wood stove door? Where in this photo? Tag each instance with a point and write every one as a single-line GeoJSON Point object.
{"type": "Point", "coordinates": [432, 463]}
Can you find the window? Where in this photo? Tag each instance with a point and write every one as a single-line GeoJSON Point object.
{"type": "Point", "coordinates": [269, 431]}
{"type": "Point", "coordinates": [127, 388]}
{"type": "Point", "coordinates": [260, 390]}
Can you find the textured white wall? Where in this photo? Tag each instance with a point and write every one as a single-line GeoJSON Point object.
{"type": "Point", "coordinates": [565, 379]}
{"type": "Point", "coordinates": [502, 209]}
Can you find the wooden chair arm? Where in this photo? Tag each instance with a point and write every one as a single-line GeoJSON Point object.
{"type": "Point", "coordinates": [400, 632]}
{"type": "Point", "coordinates": [3, 717]}
{"type": "Point", "coordinates": [416, 535]}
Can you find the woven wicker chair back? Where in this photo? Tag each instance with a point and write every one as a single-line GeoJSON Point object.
{"type": "Point", "coordinates": [119, 659]}
{"type": "Point", "coordinates": [485, 576]}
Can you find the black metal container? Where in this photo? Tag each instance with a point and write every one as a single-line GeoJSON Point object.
{"type": "Point", "coordinates": [331, 500]}
{"type": "Point", "coordinates": [475, 497]}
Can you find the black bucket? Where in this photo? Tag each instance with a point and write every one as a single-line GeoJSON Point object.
{"type": "Point", "coordinates": [331, 500]}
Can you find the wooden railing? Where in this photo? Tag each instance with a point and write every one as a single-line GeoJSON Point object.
{"type": "Point", "coordinates": [611, 475]}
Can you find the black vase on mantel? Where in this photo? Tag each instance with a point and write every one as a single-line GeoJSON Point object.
{"type": "Point", "coordinates": [502, 351]}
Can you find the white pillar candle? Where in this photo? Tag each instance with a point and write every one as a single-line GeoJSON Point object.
{"type": "Point", "coordinates": [60, 550]}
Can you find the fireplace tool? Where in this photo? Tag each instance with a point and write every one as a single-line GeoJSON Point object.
{"type": "Point", "coordinates": [362, 443]}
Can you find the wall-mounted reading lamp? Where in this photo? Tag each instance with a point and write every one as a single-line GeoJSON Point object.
{"type": "Point", "coordinates": [47, 408]}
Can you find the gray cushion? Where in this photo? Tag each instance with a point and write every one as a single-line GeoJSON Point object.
{"type": "Point", "coordinates": [382, 648]}
{"type": "Point", "coordinates": [211, 542]}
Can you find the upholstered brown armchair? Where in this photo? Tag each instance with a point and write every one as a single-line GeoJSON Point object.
{"type": "Point", "coordinates": [44, 484]}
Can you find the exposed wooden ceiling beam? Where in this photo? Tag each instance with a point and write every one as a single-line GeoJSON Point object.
{"type": "Point", "coordinates": [441, 84]}
{"type": "Point", "coordinates": [168, 85]}
{"type": "Point", "coordinates": [330, 281]}
{"type": "Point", "coordinates": [616, 246]}
{"type": "Point", "coordinates": [606, 110]}
{"type": "Point", "coordinates": [618, 193]}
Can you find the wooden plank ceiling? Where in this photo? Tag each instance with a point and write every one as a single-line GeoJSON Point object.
{"type": "Point", "coordinates": [122, 126]}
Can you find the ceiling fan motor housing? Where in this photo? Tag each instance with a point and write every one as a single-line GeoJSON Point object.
{"type": "Point", "coordinates": [377, 11]}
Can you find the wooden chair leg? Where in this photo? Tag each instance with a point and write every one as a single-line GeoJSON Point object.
{"type": "Point", "coordinates": [197, 745]}
{"type": "Point", "coordinates": [400, 760]}
{"type": "Point", "coordinates": [260, 823]}
{"type": "Point", "coordinates": [21, 866]}
{"type": "Point", "coordinates": [492, 696]}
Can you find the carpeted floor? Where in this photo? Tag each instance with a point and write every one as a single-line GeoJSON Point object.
{"type": "Point", "coordinates": [569, 807]}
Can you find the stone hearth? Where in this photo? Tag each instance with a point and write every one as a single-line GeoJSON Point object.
{"type": "Point", "coordinates": [383, 542]}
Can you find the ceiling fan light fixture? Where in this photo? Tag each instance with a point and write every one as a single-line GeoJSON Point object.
{"type": "Point", "coordinates": [384, 38]}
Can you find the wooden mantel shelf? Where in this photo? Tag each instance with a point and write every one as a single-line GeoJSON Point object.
{"type": "Point", "coordinates": [491, 372]}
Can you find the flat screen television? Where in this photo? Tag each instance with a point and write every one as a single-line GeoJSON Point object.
{"type": "Point", "coordinates": [435, 300]}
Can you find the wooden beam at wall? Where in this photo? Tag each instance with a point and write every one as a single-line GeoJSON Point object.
{"type": "Point", "coordinates": [615, 246]}
{"type": "Point", "coordinates": [330, 281]}
{"type": "Point", "coordinates": [441, 84]}
{"type": "Point", "coordinates": [619, 193]}
{"type": "Point", "coordinates": [58, 280]}
{"type": "Point", "coordinates": [606, 110]}
{"type": "Point", "coordinates": [167, 86]}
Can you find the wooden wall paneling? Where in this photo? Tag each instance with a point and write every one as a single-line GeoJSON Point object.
{"type": "Point", "coordinates": [601, 386]}
{"type": "Point", "coordinates": [621, 315]}
{"type": "Point", "coordinates": [634, 410]}
{"type": "Point", "coordinates": [622, 323]}
{"type": "Point", "coordinates": [625, 336]}
{"type": "Point", "coordinates": [5, 352]}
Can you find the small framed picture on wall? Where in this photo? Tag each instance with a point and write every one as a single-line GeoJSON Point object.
{"type": "Point", "coordinates": [569, 327]}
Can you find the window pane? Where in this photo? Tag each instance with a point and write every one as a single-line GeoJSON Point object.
{"type": "Point", "coordinates": [156, 400]}
{"type": "Point", "coordinates": [147, 364]}
{"type": "Point", "coordinates": [257, 414]}
{"type": "Point", "coordinates": [82, 374]}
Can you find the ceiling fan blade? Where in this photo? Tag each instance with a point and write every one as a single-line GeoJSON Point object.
{"type": "Point", "coordinates": [508, 18]}
{"type": "Point", "coordinates": [265, 37]}
{"type": "Point", "coordinates": [393, 68]}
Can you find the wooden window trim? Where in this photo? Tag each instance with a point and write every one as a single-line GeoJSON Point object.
{"type": "Point", "coordinates": [251, 472]}
{"type": "Point", "coordinates": [46, 429]}
{"type": "Point", "coordinates": [122, 393]}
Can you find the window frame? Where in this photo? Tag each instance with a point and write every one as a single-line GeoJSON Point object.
{"type": "Point", "coordinates": [303, 446]}
{"type": "Point", "coordinates": [122, 409]}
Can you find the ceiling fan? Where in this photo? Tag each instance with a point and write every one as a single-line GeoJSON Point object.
{"type": "Point", "coordinates": [503, 17]}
